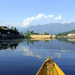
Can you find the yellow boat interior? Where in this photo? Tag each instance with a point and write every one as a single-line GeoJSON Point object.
{"type": "Point", "coordinates": [49, 67]}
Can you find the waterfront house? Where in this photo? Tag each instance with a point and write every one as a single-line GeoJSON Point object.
{"type": "Point", "coordinates": [71, 35]}
{"type": "Point", "coordinates": [40, 36]}
{"type": "Point", "coordinates": [54, 36]}
{"type": "Point", "coordinates": [4, 27]}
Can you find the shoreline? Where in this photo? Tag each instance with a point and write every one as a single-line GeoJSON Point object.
{"type": "Point", "coordinates": [11, 37]}
{"type": "Point", "coordinates": [65, 37]}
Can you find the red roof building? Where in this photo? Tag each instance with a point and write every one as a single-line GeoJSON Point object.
{"type": "Point", "coordinates": [4, 27]}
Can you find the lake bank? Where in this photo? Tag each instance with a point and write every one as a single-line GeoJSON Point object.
{"type": "Point", "coordinates": [65, 36]}
{"type": "Point", "coordinates": [11, 36]}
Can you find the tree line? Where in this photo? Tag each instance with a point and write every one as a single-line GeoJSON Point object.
{"type": "Point", "coordinates": [28, 33]}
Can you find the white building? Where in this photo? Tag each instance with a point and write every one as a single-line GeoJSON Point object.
{"type": "Point", "coordinates": [71, 34]}
{"type": "Point", "coordinates": [54, 36]}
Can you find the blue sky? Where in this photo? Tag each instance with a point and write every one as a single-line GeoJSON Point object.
{"type": "Point", "coordinates": [23, 13]}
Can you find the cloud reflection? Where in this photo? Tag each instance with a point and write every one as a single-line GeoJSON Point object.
{"type": "Point", "coordinates": [44, 53]}
{"type": "Point", "coordinates": [39, 52]}
{"type": "Point", "coordinates": [28, 52]}
{"type": "Point", "coordinates": [58, 55]}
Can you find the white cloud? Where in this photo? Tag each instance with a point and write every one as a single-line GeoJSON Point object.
{"type": "Point", "coordinates": [27, 21]}
{"type": "Point", "coordinates": [58, 18]}
{"type": "Point", "coordinates": [40, 16]}
{"type": "Point", "coordinates": [43, 16]}
{"type": "Point", "coordinates": [65, 22]}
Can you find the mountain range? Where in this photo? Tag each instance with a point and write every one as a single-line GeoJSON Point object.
{"type": "Point", "coordinates": [52, 28]}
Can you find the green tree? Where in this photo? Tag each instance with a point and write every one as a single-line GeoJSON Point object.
{"type": "Point", "coordinates": [24, 33]}
{"type": "Point", "coordinates": [27, 32]}
{"type": "Point", "coordinates": [32, 32]}
{"type": "Point", "coordinates": [46, 33]}
{"type": "Point", "coordinates": [21, 33]}
{"type": "Point", "coordinates": [41, 33]}
{"type": "Point", "coordinates": [15, 29]}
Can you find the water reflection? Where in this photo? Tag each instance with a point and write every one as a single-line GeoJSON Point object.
{"type": "Point", "coordinates": [40, 48]}
{"type": "Point", "coordinates": [44, 53]}
{"type": "Point", "coordinates": [72, 41]}
{"type": "Point", "coordinates": [9, 44]}
{"type": "Point", "coordinates": [45, 48]}
{"type": "Point", "coordinates": [29, 52]}
{"type": "Point", "coordinates": [32, 40]}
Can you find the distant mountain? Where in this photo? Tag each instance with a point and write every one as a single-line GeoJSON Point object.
{"type": "Point", "coordinates": [52, 28]}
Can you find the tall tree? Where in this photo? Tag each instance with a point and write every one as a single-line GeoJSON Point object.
{"type": "Point", "coordinates": [27, 32]}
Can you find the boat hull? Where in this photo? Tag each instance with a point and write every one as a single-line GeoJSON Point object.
{"type": "Point", "coordinates": [49, 67]}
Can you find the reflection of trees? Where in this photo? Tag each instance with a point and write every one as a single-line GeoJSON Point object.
{"type": "Point", "coordinates": [6, 46]}
{"type": "Point", "coordinates": [30, 41]}
{"type": "Point", "coordinates": [62, 39]}
{"type": "Point", "coordinates": [27, 42]}
{"type": "Point", "coordinates": [15, 47]}
{"type": "Point", "coordinates": [12, 44]}
{"type": "Point", "coordinates": [65, 40]}
{"type": "Point", "coordinates": [46, 40]}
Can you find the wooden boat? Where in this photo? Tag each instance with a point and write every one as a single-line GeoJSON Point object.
{"type": "Point", "coordinates": [49, 67]}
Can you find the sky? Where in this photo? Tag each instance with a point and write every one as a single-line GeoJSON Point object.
{"type": "Point", "coordinates": [24, 13]}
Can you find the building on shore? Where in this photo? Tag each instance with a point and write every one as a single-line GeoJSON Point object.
{"type": "Point", "coordinates": [4, 27]}
{"type": "Point", "coordinates": [71, 35]}
{"type": "Point", "coordinates": [42, 36]}
{"type": "Point", "coordinates": [6, 33]}
{"type": "Point", "coordinates": [54, 36]}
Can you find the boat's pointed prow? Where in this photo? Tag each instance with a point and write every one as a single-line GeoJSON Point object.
{"type": "Point", "coordinates": [48, 58]}
{"type": "Point", "coordinates": [49, 67]}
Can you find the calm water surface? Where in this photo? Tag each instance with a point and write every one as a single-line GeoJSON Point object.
{"type": "Point", "coordinates": [25, 57]}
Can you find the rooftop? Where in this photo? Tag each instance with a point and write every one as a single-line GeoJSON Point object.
{"type": "Point", "coordinates": [3, 27]}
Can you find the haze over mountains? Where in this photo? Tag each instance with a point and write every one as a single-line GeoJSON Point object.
{"type": "Point", "coordinates": [52, 28]}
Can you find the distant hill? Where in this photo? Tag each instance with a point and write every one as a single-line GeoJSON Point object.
{"type": "Point", "coordinates": [52, 28]}
{"type": "Point", "coordinates": [66, 33]}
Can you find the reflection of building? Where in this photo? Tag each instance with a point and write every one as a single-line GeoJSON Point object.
{"type": "Point", "coordinates": [71, 39]}
{"type": "Point", "coordinates": [40, 39]}
{"type": "Point", "coordinates": [53, 38]}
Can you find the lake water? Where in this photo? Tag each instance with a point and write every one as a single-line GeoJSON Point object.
{"type": "Point", "coordinates": [25, 56]}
